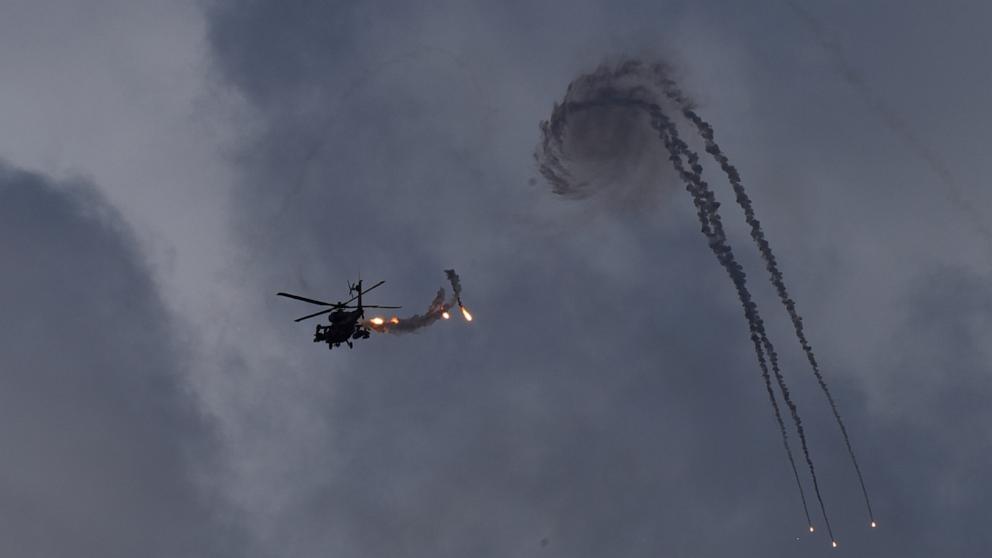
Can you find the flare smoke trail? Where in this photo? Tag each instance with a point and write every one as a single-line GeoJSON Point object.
{"type": "Point", "coordinates": [456, 284]}
{"type": "Point", "coordinates": [673, 93]}
{"type": "Point", "coordinates": [712, 227]}
{"type": "Point", "coordinates": [413, 323]}
{"type": "Point", "coordinates": [437, 310]}
{"type": "Point", "coordinates": [771, 264]}
{"type": "Point", "coordinates": [632, 88]}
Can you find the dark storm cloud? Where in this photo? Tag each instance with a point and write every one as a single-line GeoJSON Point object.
{"type": "Point", "coordinates": [105, 452]}
{"type": "Point", "coordinates": [604, 399]}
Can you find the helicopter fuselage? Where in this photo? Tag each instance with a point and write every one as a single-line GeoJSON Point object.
{"type": "Point", "coordinates": [345, 325]}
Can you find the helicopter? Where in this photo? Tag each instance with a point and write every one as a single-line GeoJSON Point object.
{"type": "Point", "coordinates": [346, 319]}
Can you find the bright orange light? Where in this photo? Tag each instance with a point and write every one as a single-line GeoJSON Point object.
{"type": "Point", "coordinates": [394, 320]}
{"type": "Point", "coordinates": [377, 321]}
{"type": "Point", "coordinates": [468, 317]}
{"type": "Point", "coordinates": [873, 524]}
{"type": "Point", "coordinates": [835, 544]}
{"type": "Point", "coordinates": [811, 529]}
{"type": "Point", "coordinates": [445, 315]}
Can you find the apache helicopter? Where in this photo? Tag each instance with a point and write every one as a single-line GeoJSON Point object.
{"type": "Point", "coordinates": [347, 320]}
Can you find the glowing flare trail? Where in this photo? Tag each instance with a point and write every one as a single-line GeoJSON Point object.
{"type": "Point", "coordinates": [437, 310]}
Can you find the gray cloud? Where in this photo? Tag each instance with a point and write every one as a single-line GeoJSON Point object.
{"type": "Point", "coordinates": [105, 450]}
{"type": "Point", "coordinates": [604, 398]}
{"type": "Point", "coordinates": [603, 401]}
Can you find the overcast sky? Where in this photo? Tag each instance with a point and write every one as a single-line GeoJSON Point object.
{"type": "Point", "coordinates": [165, 168]}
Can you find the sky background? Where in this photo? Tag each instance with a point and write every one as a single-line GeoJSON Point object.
{"type": "Point", "coordinates": [165, 168]}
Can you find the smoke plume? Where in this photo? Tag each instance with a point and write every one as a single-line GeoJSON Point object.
{"type": "Point", "coordinates": [610, 153]}
{"type": "Point", "coordinates": [712, 227]}
{"type": "Point", "coordinates": [412, 323]}
{"type": "Point", "coordinates": [437, 310]}
{"type": "Point", "coordinates": [592, 145]}
{"type": "Point", "coordinates": [456, 284]}
{"type": "Point", "coordinates": [771, 264]}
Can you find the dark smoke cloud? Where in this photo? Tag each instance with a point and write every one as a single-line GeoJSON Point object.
{"type": "Point", "coordinates": [636, 88]}
{"type": "Point", "coordinates": [609, 151]}
{"type": "Point", "coordinates": [456, 284]}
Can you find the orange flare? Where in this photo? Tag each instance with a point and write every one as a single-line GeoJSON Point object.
{"type": "Point", "coordinates": [445, 315]}
{"type": "Point", "coordinates": [377, 321]}
{"type": "Point", "coordinates": [394, 320]}
{"type": "Point", "coordinates": [468, 317]}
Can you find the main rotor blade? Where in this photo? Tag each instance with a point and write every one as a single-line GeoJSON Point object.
{"type": "Point", "coordinates": [322, 303]}
{"type": "Point", "coordinates": [353, 307]}
{"type": "Point", "coordinates": [305, 299]}
{"type": "Point", "coordinates": [314, 315]}
{"type": "Point", "coordinates": [372, 287]}
{"type": "Point", "coordinates": [354, 298]}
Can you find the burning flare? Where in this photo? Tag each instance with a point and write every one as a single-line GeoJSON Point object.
{"type": "Point", "coordinates": [873, 524]}
{"type": "Point", "coordinates": [834, 544]}
{"type": "Point", "coordinates": [811, 529]}
{"type": "Point", "coordinates": [439, 309]}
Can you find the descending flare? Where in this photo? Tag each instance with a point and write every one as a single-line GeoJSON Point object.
{"type": "Point", "coordinates": [445, 315]}
{"type": "Point", "coordinates": [873, 524]}
{"type": "Point", "coordinates": [377, 321]}
{"type": "Point", "coordinates": [834, 544]}
{"type": "Point", "coordinates": [468, 317]}
{"type": "Point", "coordinates": [811, 529]}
